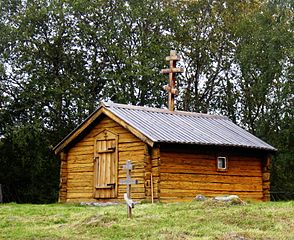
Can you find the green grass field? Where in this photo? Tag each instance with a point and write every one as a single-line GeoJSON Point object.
{"type": "Point", "coordinates": [195, 220]}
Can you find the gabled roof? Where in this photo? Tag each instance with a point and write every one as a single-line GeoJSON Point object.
{"type": "Point", "coordinates": [153, 125]}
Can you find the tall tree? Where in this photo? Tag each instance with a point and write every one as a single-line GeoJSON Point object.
{"type": "Point", "coordinates": [60, 58]}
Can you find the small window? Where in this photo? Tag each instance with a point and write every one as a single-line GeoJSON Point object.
{"type": "Point", "coordinates": [222, 163]}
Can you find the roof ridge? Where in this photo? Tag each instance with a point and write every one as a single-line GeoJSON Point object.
{"type": "Point", "coordinates": [160, 110]}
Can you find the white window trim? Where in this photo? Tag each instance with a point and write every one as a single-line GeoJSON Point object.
{"type": "Point", "coordinates": [224, 160]}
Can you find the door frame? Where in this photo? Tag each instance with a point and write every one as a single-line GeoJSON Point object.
{"type": "Point", "coordinates": [107, 135]}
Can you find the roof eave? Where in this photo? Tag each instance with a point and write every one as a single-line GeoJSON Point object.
{"type": "Point", "coordinates": [271, 150]}
{"type": "Point", "coordinates": [102, 109]}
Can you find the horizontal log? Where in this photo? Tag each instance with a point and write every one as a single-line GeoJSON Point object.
{"type": "Point", "coordinates": [134, 190]}
{"type": "Point", "coordinates": [82, 164]}
{"type": "Point", "coordinates": [73, 184]}
{"type": "Point", "coordinates": [135, 154]}
{"type": "Point", "coordinates": [136, 164]}
{"type": "Point", "coordinates": [136, 160]}
{"type": "Point", "coordinates": [131, 146]}
{"type": "Point", "coordinates": [78, 149]}
{"type": "Point", "coordinates": [76, 169]}
{"type": "Point", "coordinates": [209, 186]}
{"type": "Point", "coordinates": [128, 138]}
{"type": "Point", "coordinates": [155, 153]}
{"type": "Point", "coordinates": [192, 194]}
{"type": "Point", "coordinates": [209, 191]}
{"type": "Point", "coordinates": [88, 189]}
{"type": "Point", "coordinates": [192, 158]}
{"type": "Point", "coordinates": [86, 143]}
{"type": "Point", "coordinates": [189, 199]}
{"type": "Point", "coordinates": [140, 184]}
{"type": "Point", "coordinates": [266, 176]}
{"type": "Point", "coordinates": [79, 195]}
{"type": "Point", "coordinates": [107, 125]}
{"type": "Point", "coordinates": [211, 164]}
{"type": "Point", "coordinates": [139, 177]}
{"type": "Point", "coordinates": [134, 171]}
{"type": "Point", "coordinates": [184, 157]}
{"type": "Point", "coordinates": [85, 158]}
{"type": "Point", "coordinates": [155, 162]}
{"type": "Point", "coordinates": [80, 175]}
{"type": "Point", "coordinates": [139, 196]}
{"type": "Point", "coordinates": [209, 178]}
{"type": "Point", "coordinates": [199, 170]}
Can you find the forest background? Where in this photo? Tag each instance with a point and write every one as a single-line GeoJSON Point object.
{"type": "Point", "coordinates": [60, 58]}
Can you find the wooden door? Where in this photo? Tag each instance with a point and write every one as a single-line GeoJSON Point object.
{"type": "Point", "coordinates": [105, 172]}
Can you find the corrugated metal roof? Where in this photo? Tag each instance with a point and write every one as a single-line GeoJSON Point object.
{"type": "Point", "coordinates": [164, 126]}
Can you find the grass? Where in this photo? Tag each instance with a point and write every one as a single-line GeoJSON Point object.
{"type": "Point", "coordinates": [195, 220]}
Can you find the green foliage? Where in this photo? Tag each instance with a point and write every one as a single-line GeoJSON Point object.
{"type": "Point", "coordinates": [59, 59]}
{"type": "Point", "coordinates": [29, 171]}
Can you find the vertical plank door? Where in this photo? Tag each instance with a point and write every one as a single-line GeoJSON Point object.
{"type": "Point", "coordinates": [105, 172]}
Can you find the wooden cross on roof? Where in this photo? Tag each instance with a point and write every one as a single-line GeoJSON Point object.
{"type": "Point", "coordinates": [172, 71]}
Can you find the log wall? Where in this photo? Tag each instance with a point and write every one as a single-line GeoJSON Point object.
{"type": "Point", "coordinates": [185, 175]}
{"type": "Point", "coordinates": [155, 158]}
{"type": "Point", "coordinates": [63, 177]}
{"type": "Point", "coordinates": [177, 172]}
{"type": "Point", "coordinates": [266, 177]}
{"type": "Point", "coordinates": [78, 166]}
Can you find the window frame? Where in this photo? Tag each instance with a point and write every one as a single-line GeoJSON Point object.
{"type": "Point", "coordinates": [224, 162]}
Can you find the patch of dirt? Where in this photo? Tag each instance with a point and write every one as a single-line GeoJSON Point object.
{"type": "Point", "coordinates": [215, 203]}
{"type": "Point", "coordinates": [99, 221]}
{"type": "Point", "coordinates": [233, 236]}
{"type": "Point", "coordinates": [170, 235]}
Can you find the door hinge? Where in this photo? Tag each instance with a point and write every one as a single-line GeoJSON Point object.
{"type": "Point", "coordinates": [112, 185]}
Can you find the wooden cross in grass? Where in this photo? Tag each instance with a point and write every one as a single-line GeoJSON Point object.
{"type": "Point", "coordinates": [172, 71]}
{"type": "Point", "coordinates": [129, 181]}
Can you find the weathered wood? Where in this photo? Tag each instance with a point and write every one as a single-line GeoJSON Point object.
{"type": "Point", "coordinates": [129, 202]}
{"type": "Point", "coordinates": [88, 195]}
{"type": "Point", "coordinates": [187, 174]}
{"type": "Point", "coordinates": [63, 177]}
{"type": "Point", "coordinates": [175, 175]}
{"type": "Point", "coordinates": [134, 131]}
{"type": "Point", "coordinates": [199, 170]}
{"type": "Point", "coordinates": [155, 162]}
{"type": "Point", "coordinates": [81, 164]}
{"type": "Point", "coordinates": [72, 158]}
{"type": "Point", "coordinates": [134, 146]}
{"type": "Point", "coordinates": [209, 178]}
{"type": "Point", "coordinates": [210, 186]}
{"type": "Point", "coordinates": [266, 177]}
{"type": "Point", "coordinates": [100, 113]}
{"type": "Point", "coordinates": [128, 182]}
{"type": "Point", "coordinates": [136, 188]}
{"type": "Point", "coordinates": [172, 91]}
{"type": "Point", "coordinates": [212, 193]}
{"type": "Point", "coordinates": [172, 70]}
{"type": "Point", "coordinates": [105, 168]}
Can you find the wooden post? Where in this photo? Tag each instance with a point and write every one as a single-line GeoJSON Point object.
{"type": "Point", "coordinates": [172, 71]}
{"type": "Point", "coordinates": [129, 181]}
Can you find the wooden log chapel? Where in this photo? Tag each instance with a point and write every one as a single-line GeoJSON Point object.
{"type": "Point", "coordinates": [176, 155]}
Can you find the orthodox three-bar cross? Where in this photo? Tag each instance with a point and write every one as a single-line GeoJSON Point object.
{"type": "Point", "coordinates": [129, 181]}
{"type": "Point", "coordinates": [172, 71]}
